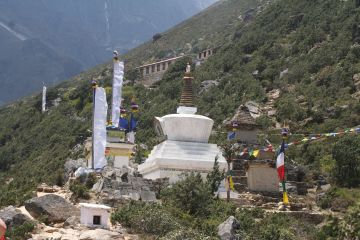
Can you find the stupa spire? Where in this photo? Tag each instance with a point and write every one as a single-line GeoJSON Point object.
{"type": "Point", "coordinates": [187, 98]}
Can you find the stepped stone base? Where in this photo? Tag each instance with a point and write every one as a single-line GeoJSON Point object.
{"type": "Point", "coordinates": [172, 158]}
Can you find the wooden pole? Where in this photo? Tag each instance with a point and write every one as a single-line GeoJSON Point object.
{"type": "Point", "coordinates": [228, 182]}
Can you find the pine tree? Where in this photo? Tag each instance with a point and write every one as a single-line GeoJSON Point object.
{"type": "Point", "coordinates": [214, 178]}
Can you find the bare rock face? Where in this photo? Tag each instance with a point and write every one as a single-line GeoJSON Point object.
{"type": "Point", "coordinates": [51, 208]}
{"type": "Point", "coordinates": [79, 234]}
{"type": "Point", "coordinates": [226, 230]}
{"type": "Point", "coordinates": [100, 234]}
{"type": "Point", "coordinates": [13, 217]}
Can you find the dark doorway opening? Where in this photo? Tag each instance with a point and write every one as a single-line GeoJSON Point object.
{"type": "Point", "coordinates": [96, 220]}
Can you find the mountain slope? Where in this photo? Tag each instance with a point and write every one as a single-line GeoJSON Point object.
{"type": "Point", "coordinates": [62, 38]}
{"type": "Point", "coordinates": [24, 162]}
{"type": "Point", "coordinates": [207, 29]}
{"type": "Point", "coordinates": [318, 92]}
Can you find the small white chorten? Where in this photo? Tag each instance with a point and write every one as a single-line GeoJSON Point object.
{"type": "Point", "coordinates": [186, 147]}
{"type": "Point", "coordinates": [95, 215]}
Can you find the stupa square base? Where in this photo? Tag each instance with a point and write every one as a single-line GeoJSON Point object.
{"type": "Point", "coordinates": [170, 159]}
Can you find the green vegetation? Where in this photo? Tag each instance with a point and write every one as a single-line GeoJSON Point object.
{"type": "Point", "coordinates": [79, 190]}
{"type": "Point", "coordinates": [21, 232]}
{"type": "Point", "coordinates": [346, 153]}
{"type": "Point", "coordinates": [340, 199]}
{"type": "Point", "coordinates": [206, 29]}
{"type": "Point", "coordinates": [345, 228]}
{"type": "Point", "coordinates": [190, 211]}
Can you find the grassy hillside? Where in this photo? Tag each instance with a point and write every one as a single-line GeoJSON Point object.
{"type": "Point", "coordinates": [207, 29]}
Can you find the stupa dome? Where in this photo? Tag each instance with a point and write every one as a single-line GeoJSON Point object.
{"type": "Point", "coordinates": [186, 127]}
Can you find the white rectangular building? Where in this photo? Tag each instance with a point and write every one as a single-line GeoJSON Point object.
{"type": "Point", "coordinates": [95, 215]}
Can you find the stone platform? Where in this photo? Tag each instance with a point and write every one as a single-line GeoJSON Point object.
{"type": "Point", "coordinates": [171, 158]}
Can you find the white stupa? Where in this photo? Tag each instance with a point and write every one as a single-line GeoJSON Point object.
{"type": "Point", "coordinates": [186, 147]}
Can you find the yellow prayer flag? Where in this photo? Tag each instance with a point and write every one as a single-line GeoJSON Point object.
{"type": "Point", "coordinates": [231, 183]}
{"type": "Point", "coordinates": [285, 198]}
{"type": "Point", "coordinates": [256, 153]}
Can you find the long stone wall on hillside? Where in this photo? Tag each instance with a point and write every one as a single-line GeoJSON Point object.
{"type": "Point", "coordinates": [153, 72]}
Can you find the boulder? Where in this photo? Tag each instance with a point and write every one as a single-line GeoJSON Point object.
{"type": "Point", "coordinates": [147, 196]}
{"type": "Point", "coordinates": [83, 172]}
{"type": "Point", "coordinates": [283, 73]}
{"type": "Point", "coordinates": [72, 165]}
{"type": "Point", "coordinates": [226, 230]}
{"type": "Point", "coordinates": [102, 234]}
{"type": "Point", "coordinates": [72, 222]}
{"type": "Point", "coordinates": [12, 216]}
{"type": "Point", "coordinates": [51, 208]}
{"type": "Point", "coordinates": [98, 186]}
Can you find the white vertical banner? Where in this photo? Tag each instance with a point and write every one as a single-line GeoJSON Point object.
{"type": "Point", "coordinates": [117, 92]}
{"type": "Point", "coordinates": [43, 104]}
{"type": "Point", "coordinates": [100, 117]}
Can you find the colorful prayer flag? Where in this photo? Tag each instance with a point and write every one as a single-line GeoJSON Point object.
{"type": "Point", "coordinates": [231, 183]}
{"type": "Point", "coordinates": [280, 165]}
{"type": "Point", "coordinates": [231, 135]}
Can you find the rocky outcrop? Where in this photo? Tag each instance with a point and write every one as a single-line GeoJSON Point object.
{"type": "Point", "coordinates": [72, 165]}
{"type": "Point", "coordinates": [51, 208]}
{"type": "Point", "coordinates": [13, 217]}
{"type": "Point", "coordinates": [80, 233]}
{"type": "Point", "coordinates": [226, 230]}
{"type": "Point", "coordinates": [72, 222]}
{"type": "Point", "coordinates": [206, 85]}
{"type": "Point", "coordinates": [120, 185]}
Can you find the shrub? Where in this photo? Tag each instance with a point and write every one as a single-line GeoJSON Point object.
{"type": "Point", "coordinates": [214, 178]}
{"type": "Point", "coordinates": [218, 212]}
{"type": "Point", "coordinates": [156, 37]}
{"type": "Point", "coordinates": [346, 153]}
{"type": "Point", "coordinates": [185, 234]}
{"type": "Point", "coordinates": [191, 195]}
{"type": "Point", "coordinates": [79, 190]}
{"type": "Point", "coordinates": [91, 180]}
{"type": "Point", "coordinates": [145, 218]}
{"type": "Point", "coordinates": [346, 228]}
{"type": "Point", "coordinates": [20, 232]}
{"type": "Point", "coordinates": [339, 199]}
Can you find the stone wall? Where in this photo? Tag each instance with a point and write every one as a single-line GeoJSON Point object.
{"type": "Point", "coordinates": [246, 136]}
{"type": "Point", "coordinates": [153, 72]}
{"type": "Point", "coordinates": [262, 178]}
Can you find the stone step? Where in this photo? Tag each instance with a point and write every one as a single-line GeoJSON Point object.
{"type": "Point", "coordinates": [240, 187]}
{"type": "Point", "coordinates": [238, 172]}
{"type": "Point", "coordinates": [240, 179]}
{"type": "Point", "coordinates": [238, 166]}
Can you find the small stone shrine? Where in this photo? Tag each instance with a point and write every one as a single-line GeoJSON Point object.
{"type": "Point", "coordinates": [254, 169]}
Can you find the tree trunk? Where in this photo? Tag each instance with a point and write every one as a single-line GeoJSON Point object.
{"type": "Point", "coordinates": [228, 182]}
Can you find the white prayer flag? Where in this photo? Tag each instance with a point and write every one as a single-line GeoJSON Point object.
{"type": "Point", "coordinates": [100, 116]}
{"type": "Point", "coordinates": [43, 105]}
{"type": "Point", "coordinates": [117, 92]}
